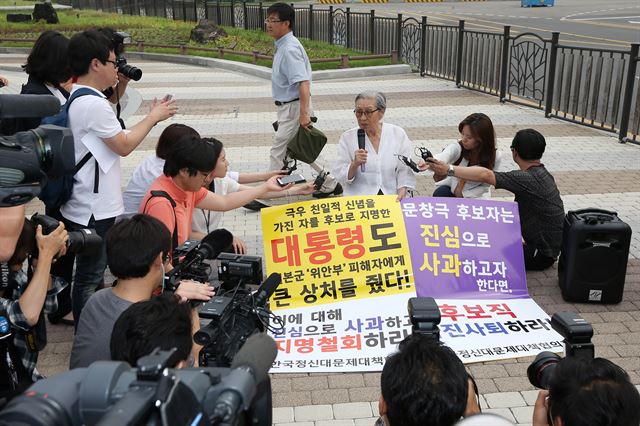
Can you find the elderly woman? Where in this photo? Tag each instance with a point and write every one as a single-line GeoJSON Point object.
{"type": "Point", "coordinates": [374, 169]}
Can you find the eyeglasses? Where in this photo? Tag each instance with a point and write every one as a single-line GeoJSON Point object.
{"type": "Point", "coordinates": [115, 64]}
{"type": "Point", "coordinates": [272, 21]}
{"type": "Point", "coordinates": [368, 114]}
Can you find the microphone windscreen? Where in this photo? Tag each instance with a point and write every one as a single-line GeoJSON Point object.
{"type": "Point", "coordinates": [18, 106]}
{"type": "Point", "coordinates": [267, 288]}
{"type": "Point", "coordinates": [215, 243]}
{"type": "Point", "coordinates": [258, 352]}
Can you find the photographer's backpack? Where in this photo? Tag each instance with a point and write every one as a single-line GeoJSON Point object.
{"type": "Point", "coordinates": [57, 192]}
{"type": "Point", "coordinates": [593, 261]}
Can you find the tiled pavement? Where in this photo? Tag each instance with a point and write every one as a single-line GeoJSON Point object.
{"type": "Point", "coordinates": [592, 170]}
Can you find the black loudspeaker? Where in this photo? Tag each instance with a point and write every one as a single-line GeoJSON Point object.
{"type": "Point", "coordinates": [593, 261]}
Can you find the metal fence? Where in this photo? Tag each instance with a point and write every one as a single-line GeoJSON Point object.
{"type": "Point", "coordinates": [594, 87]}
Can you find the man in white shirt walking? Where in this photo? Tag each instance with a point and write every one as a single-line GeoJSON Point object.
{"type": "Point", "coordinates": [291, 90]}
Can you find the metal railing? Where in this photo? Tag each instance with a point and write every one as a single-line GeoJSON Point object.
{"type": "Point", "coordinates": [593, 87]}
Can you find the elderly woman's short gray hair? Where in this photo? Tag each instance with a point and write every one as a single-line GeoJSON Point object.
{"type": "Point", "coordinates": [381, 100]}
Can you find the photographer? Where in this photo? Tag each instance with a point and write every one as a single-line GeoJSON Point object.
{"type": "Point", "coordinates": [162, 322]}
{"type": "Point", "coordinates": [22, 299]}
{"type": "Point", "coordinates": [588, 392]}
{"type": "Point", "coordinates": [116, 92]}
{"type": "Point", "coordinates": [96, 199]}
{"type": "Point", "coordinates": [425, 383]}
{"type": "Point", "coordinates": [137, 252]}
{"type": "Point", "coordinates": [49, 73]}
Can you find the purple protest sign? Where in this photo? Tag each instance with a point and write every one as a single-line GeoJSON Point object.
{"type": "Point", "coordinates": [465, 248]}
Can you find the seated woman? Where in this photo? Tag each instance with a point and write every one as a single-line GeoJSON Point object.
{"type": "Point", "coordinates": [151, 168]}
{"type": "Point", "coordinates": [476, 148]}
{"type": "Point", "coordinates": [374, 170]}
{"type": "Point", "coordinates": [206, 221]}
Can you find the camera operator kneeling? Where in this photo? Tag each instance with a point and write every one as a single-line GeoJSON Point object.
{"type": "Point", "coordinates": [588, 392]}
{"type": "Point", "coordinates": [137, 254]}
{"type": "Point", "coordinates": [22, 297]}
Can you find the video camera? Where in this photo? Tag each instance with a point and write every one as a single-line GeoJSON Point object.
{"type": "Point", "coordinates": [577, 334]}
{"type": "Point", "coordinates": [235, 315]}
{"type": "Point", "coordinates": [188, 259]}
{"type": "Point", "coordinates": [112, 393]}
{"type": "Point", "coordinates": [119, 40]}
{"type": "Point", "coordinates": [28, 158]}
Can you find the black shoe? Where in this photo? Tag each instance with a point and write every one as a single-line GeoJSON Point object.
{"type": "Point", "coordinates": [255, 206]}
{"type": "Point", "coordinates": [336, 191]}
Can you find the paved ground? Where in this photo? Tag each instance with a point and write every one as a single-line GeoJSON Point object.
{"type": "Point", "coordinates": [591, 168]}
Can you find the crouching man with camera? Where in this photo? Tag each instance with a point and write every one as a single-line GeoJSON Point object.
{"type": "Point", "coordinates": [137, 254]}
{"type": "Point", "coordinates": [23, 296]}
{"type": "Point", "coordinates": [588, 392]}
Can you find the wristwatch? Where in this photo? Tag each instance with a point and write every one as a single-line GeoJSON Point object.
{"type": "Point", "coordinates": [451, 170]}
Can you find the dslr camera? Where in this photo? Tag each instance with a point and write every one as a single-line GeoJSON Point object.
{"type": "Point", "coordinates": [577, 334]}
{"type": "Point", "coordinates": [120, 39]}
{"type": "Point", "coordinates": [79, 241]}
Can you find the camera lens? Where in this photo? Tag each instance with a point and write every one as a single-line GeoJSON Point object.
{"type": "Point", "coordinates": [84, 240]}
{"type": "Point", "coordinates": [130, 71]}
{"type": "Point", "coordinates": [541, 369]}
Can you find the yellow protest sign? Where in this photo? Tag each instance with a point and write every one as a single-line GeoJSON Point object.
{"type": "Point", "coordinates": [328, 251]}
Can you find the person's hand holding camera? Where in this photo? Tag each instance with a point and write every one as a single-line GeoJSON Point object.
{"type": "Point", "coordinates": [33, 298]}
{"type": "Point", "coordinates": [541, 409]}
{"type": "Point", "coordinates": [192, 290]}
{"type": "Point", "coordinates": [53, 244]}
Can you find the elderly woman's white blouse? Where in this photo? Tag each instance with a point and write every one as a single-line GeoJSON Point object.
{"type": "Point", "coordinates": [383, 170]}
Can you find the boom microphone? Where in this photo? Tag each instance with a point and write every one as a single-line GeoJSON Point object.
{"type": "Point", "coordinates": [361, 145]}
{"type": "Point", "coordinates": [19, 106]}
{"type": "Point", "coordinates": [214, 243]}
{"type": "Point", "coordinates": [249, 368]}
{"type": "Point", "coordinates": [267, 288]}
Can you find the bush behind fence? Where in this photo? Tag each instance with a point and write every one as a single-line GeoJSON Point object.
{"type": "Point", "coordinates": [594, 87]}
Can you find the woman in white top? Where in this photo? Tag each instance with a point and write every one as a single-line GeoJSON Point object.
{"type": "Point", "coordinates": [374, 169]}
{"type": "Point", "coordinates": [477, 147]}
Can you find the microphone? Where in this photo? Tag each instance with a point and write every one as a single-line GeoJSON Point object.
{"type": "Point", "coordinates": [361, 145]}
{"type": "Point", "coordinates": [18, 106]}
{"type": "Point", "coordinates": [214, 243]}
{"type": "Point", "coordinates": [267, 288]}
{"type": "Point", "coordinates": [249, 368]}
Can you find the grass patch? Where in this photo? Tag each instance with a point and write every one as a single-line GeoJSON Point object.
{"type": "Point", "coordinates": [166, 31]}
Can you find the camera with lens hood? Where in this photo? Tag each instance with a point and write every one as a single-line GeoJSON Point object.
{"type": "Point", "coordinates": [119, 40]}
{"type": "Point", "coordinates": [84, 240]}
{"type": "Point", "coordinates": [577, 334]}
